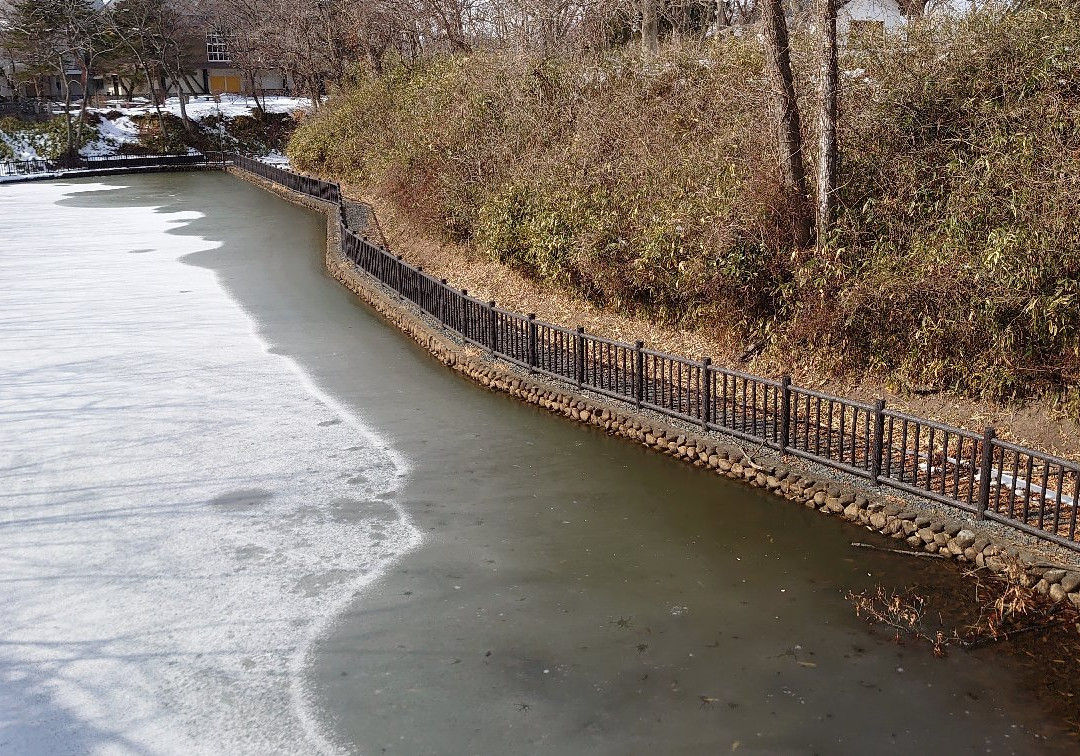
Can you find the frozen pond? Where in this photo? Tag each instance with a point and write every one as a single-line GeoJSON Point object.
{"type": "Point", "coordinates": [183, 511]}
{"type": "Point", "coordinates": [216, 470]}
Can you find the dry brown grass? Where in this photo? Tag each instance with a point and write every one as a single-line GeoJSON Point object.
{"type": "Point", "coordinates": [1032, 424]}
{"type": "Point", "coordinates": [651, 192]}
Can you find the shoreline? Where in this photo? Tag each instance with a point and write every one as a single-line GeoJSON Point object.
{"type": "Point", "coordinates": [1033, 424]}
{"type": "Point", "coordinates": [920, 525]}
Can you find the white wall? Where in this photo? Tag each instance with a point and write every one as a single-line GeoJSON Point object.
{"type": "Point", "coordinates": [887, 11]}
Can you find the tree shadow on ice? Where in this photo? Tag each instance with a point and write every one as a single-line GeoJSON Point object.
{"type": "Point", "coordinates": [34, 722]}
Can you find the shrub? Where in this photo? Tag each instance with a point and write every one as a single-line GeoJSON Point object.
{"type": "Point", "coordinates": [47, 138]}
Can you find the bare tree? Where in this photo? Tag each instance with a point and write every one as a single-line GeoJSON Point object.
{"type": "Point", "coordinates": [56, 36]}
{"type": "Point", "coordinates": [828, 83]}
{"type": "Point", "coordinates": [788, 123]}
{"type": "Point", "coordinates": [137, 26]}
{"type": "Point", "coordinates": [650, 31]}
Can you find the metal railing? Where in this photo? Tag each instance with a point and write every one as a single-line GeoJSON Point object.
{"type": "Point", "coordinates": [24, 167]}
{"type": "Point", "coordinates": [106, 162]}
{"type": "Point", "coordinates": [975, 472]}
{"type": "Point", "coordinates": [309, 185]}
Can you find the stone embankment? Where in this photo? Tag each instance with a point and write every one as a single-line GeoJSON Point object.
{"type": "Point", "coordinates": [922, 530]}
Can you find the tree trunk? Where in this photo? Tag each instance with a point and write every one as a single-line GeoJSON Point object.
{"type": "Point", "coordinates": [720, 20]}
{"type": "Point", "coordinates": [789, 128]}
{"type": "Point", "coordinates": [183, 103]}
{"type": "Point", "coordinates": [70, 133]}
{"type": "Point", "coordinates": [255, 95]}
{"type": "Point", "coordinates": [827, 157]}
{"type": "Point", "coordinates": [175, 72]}
{"type": "Point", "coordinates": [650, 35]}
{"type": "Point", "coordinates": [86, 83]}
{"type": "Point", "coordinates": [156, 100]}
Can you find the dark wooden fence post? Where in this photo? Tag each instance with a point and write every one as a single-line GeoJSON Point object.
{"type": "Point", "coordinates": [420, 289]}
{"type": "Point", "coordinates": [579, 355]}
{"type": "Point", "coordinates": [705, 392]}
{"type": "Point", "coordinates": [493, 334]}
{"type": "Point", "coordinates": [785, 413]}
{"type": "Point", "coordinates": [986, 472]}
{"type": "Point", "coordinates": [639, 372]}
{"type": "Point", "coordinates": [532, 343]}
{"type": "Point", "coordinates": [879, 441]}
{"type": "Point", "coordinates": [444, 314]}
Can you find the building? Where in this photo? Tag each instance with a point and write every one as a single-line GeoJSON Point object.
{"type": "Point", "coordinates": [220, 76]}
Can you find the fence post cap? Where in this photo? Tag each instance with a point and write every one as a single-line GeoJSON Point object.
{"type": "Point", "coordinates": [785, 381]}
{"type": "Point", "coordinates": [639, 344]}
{"type": "Point", "coordinates": [706, 360]}
{"type": "Point", "coordinates": [581, 329]}
{"type": "Point", "coordinates": [531, 316]}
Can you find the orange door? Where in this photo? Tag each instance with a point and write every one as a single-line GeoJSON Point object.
{"type": "Point", "coordinates": [224, 84]}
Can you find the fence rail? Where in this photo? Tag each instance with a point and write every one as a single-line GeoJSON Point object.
{"type": "Point", "coordinates": [975, 472]}
{"type": "Point", "coordinates": [309, 185]}
{"type": "Point", "coordinates": [105, 162]}
{"type": "Point", "coordinates": [24, 167]}
{"type": "Point", "coordinates": [137, 161]}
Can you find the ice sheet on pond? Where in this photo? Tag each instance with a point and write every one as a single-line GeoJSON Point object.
{"type": "Point", "coordinates": [181, 512]}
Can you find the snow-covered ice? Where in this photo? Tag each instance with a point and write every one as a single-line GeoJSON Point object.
{"type": "Point", "coordinates": [182, 513]}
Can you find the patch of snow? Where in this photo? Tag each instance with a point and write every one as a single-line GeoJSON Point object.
{"type": "Point", "coordinates": [183, 514]}
{"type": "Point", "coordinates": [229, 106]}
{"type": "Point", "coordinates": [20, 146]}
{"type": "Point", "coordinates": [123, 130]}
{"type": "Point", "coordinates": [111, 135]}
{"type": "Point", "coordinates": [276, 158]}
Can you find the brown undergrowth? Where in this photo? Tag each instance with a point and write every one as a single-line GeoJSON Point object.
{"type": "Point", "coordinates": [1030, 424]}
{"type": "Point", "coordinates": [651, 192]}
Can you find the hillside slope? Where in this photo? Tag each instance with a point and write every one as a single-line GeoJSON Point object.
{"type": "Point", "coordinates": [955, 262]}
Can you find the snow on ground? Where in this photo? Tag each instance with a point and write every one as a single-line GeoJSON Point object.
{"type": "Point", "coordinates": [123, 130]}
{"type": "Point", "coordinates": [181, 512]}
{"type": "Point", "coordinates": [20, 146]}
{"type": "Point", "coordinates": [229, 106]}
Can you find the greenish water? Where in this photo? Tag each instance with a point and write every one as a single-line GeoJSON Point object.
{"type": "Point", "coordinates": [576, 594]}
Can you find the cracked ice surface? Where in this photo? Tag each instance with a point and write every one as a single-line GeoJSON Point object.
{"type": "Point", "coordinates": [182, 513]}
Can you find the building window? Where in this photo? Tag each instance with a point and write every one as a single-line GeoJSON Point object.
{"type": "Point", "coordinates": [217, 50]}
